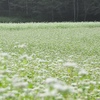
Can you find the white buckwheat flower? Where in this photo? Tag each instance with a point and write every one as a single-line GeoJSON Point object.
{"type": "Point", "coordinates": [70, 64]}
{"type": "Point", "coordinates": [83, 72]}
{"type": "Point", "coordinates": [21, 84]}
{"type": "Point", "coordinates": [51, 80]}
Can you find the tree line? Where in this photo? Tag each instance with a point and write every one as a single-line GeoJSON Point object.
{"type": "Point", "coordinates": [52, 10]}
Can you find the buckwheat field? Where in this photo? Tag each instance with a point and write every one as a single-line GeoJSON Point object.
{"type": "Point", "coordinates": [50, 61]}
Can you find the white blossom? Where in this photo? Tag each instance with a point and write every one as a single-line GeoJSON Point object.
{"type": "Point", "coordinates": [83, 72]}
{"type": "Point", "coordinates": [51, 80]}
{"type": "Point", "coordinates": [21, 84]}
{"type": "Point", "coordinates": [2, 90]}
{"type": "Point", "coordinates": [70, 64]}
{"type": "Point", "coordinates": [47, 93]}
{"type": "Point", "coordinates": [22, 46]}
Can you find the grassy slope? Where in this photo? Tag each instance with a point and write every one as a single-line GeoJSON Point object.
{"type": "Point", "coordinates": [53, 42]}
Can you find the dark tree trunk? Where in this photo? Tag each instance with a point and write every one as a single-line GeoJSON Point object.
{"type": "Point", "coordinates": [77, 3]}
{"type": "Point", "coordinates": [52, 13]}
{"type": "Point", "coordinates": [9, 13]}
{"type": "Point", "coordinates": [74, 8]}
{"type": "Point", "coordinates": [26, 7]}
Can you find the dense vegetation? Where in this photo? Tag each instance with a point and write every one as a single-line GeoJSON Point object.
{"type": "Point", "coordinates": [50, 10]}
{"type": "Point", "coordinates": [50, 61]}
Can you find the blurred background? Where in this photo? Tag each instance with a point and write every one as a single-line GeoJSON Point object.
{"type": "Point", "coordinates": [49, 10]}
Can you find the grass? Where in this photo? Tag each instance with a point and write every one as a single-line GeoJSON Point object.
{"type": "Point", "coordinates": [50, 61]}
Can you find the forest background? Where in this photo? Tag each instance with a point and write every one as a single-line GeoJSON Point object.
{"type": "Point", "coordinates": [49, 10]}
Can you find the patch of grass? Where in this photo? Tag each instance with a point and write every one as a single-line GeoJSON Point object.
{"type": "Point", "coordinates": [50, 61]}
{"type": "Point", "coordinates": [63, 25]}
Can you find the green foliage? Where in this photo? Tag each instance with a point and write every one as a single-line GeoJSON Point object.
{"type": "Point", "coordinates": [51, 10]}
